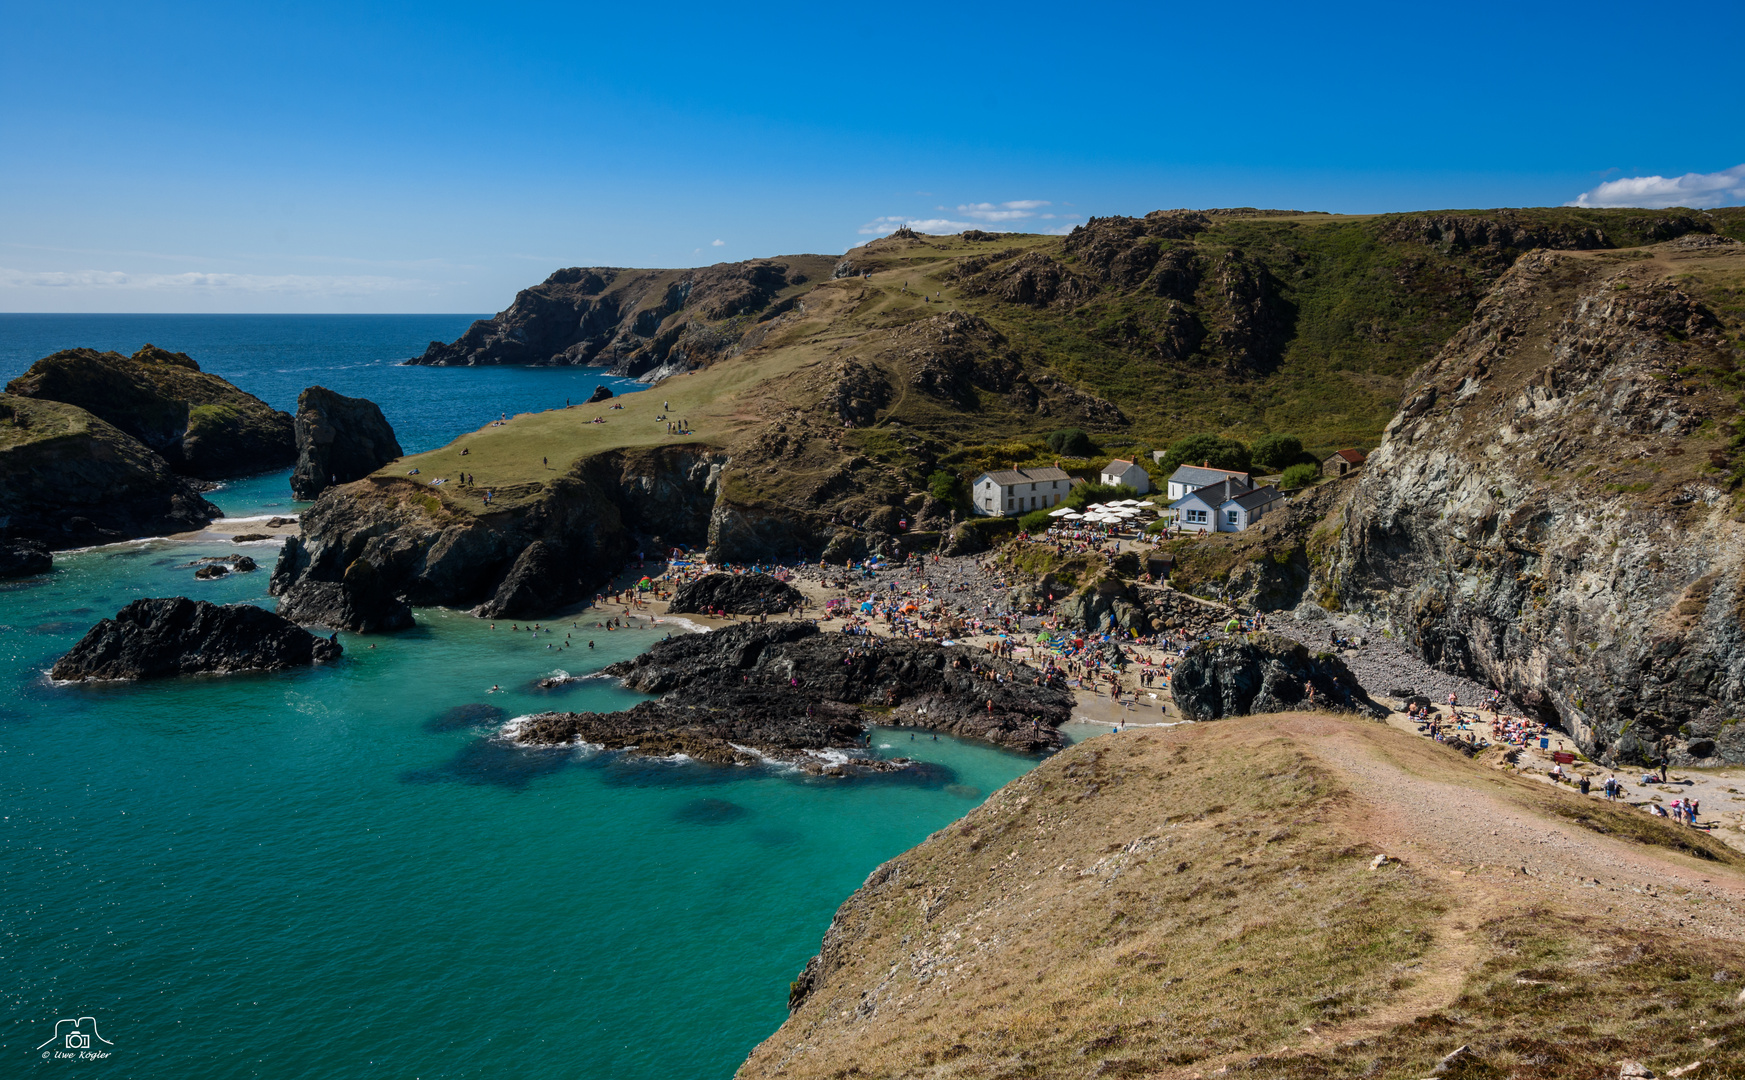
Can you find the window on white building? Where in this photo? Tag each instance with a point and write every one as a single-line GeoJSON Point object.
{"type": "Point", "coordinates": [1231, 517]}
{"type": "Point", "coordinates": [1196, 517]}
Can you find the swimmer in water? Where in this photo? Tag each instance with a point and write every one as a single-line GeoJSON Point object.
{"type": "Point", "coordinates": [590, 644]}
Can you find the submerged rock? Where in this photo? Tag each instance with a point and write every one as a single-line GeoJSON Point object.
{"type": "Point", "coordinates": [1264, 673]}
{"type": "Point", "coordinates": [339, 439]}
{"type": "Point", "coordinates": [741, 594]}
{"type": "Point", "coordinates": [24, 558]}
{"type": "Point", "coordinates": [786, 689]}
{"type": "Point", "coordinates": [154, 639]}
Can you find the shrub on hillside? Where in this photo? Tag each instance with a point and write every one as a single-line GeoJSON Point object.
{"type": "Point", "coordinates": [1071, 442]}
{"type": "Point", "coordinates": [1036, 521]}
{"type": "Point", "coordinates": [942, 486]}
{"type": "Point", "coordinates": [1299, 476]}
{"type": "Point", "coordinates": [1213, 450]}
{"type": "Point", "coordinates": [1278, 451]}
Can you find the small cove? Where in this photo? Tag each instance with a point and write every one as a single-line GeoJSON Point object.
{"type": "Point", "coordinates": [343, 871]}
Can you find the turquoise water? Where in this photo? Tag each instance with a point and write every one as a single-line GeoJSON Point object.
{"type": "Point", "coordinates": [340, 872]}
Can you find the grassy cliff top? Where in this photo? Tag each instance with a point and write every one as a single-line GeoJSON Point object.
{"type": "Point", "coordinates": [25, 420]}
{"type": "Point", "coordinates": [958, 353]}
{"type": "Point", "coordinates": [1172, 903]}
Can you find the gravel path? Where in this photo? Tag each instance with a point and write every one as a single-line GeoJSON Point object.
{"type": "Point", "coordinates": [1487, 842]}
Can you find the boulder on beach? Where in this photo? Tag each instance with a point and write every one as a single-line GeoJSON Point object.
{"type": "Point", "coordinates": [741, 594]}
{"type": "Point", "coordinates": [1264, 673]}
{"type": "Point", "coordinates": [339, 439]}
{"type": "Point", "coordinates": [154, 639]}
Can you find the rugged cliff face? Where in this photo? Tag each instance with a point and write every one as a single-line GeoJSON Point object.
{"type": "Point", "coordinates": [371, 547]}
{"type": "Point", "coordinates": [201, 424]}
{"type": "Point", "coordinates": [339, 439]}
{"type": "Point", "coordinates": [635, 322]}
{"type": "Point", "coordinates": [1555, 510]}
{"type": "Point", "coordinates": [68, 479]}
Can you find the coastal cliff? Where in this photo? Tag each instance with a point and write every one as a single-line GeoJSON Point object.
{"type": "Point", "coordinates": [68, 479]}
{"type": "Point", "coordinates": [339, 439]}
{"type": "Point", "coordinates": [1556, 512]}
{"type": "Point", "coordinates": [201, 425]}
{"type": "Point", "coordinates": [370, 547]}
{"type": "Point", "coordinates": [636, 322]}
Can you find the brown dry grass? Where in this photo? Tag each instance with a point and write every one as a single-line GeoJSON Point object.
{"type": "Point", "coordinates": [1172, 903]}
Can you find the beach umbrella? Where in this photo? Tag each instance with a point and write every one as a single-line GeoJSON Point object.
{"type": "Point", "coordinates": [1062, 512]}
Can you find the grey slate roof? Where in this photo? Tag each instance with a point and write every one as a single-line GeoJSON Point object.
{"type": "Point", "coordinates": [1214, 495]}
{"type": "Point", "coordinates": [1258, 497]}
{"type": "Point", "coordinates": [1008, 477]}
{"type": "Point", "coordinates": [1196, 476]}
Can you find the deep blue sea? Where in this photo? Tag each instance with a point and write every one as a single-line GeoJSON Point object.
{"type": "Point", "coordinates": [344, 872]}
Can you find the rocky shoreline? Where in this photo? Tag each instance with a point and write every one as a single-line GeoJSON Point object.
{"type": "Point", "coordinates": [788, 690]}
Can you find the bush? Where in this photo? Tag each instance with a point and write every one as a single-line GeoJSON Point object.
{"type": "Point", "coordinates": [1275, 452]}
{"type": "Point", "coordinates": [1071, 442]}
{"type": "Point", "coordinates": [942, 486]}
{"type": "Point", "coordinates": [1213, 450]}
{"type": "Point", "coordinates": [1299, 476]}
{"type": "Point", "coordinates": [1036, 521]}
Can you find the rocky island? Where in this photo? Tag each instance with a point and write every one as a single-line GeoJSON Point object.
{"type": "Point", "coordinates": [786, 690]}
{"type": "Point", "coordinates": [156, 639]}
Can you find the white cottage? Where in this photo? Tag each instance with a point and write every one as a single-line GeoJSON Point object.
{"type": "Point", "coordinates": [1193, 477]}
{"type": "Point", "coordinates": [1122, 471]}
{"type": "Point", "coordinates": [1009, 492]}
{"type": "Point", "coordinates": [1227, 506]}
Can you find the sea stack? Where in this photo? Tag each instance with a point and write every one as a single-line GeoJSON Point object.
{"type": "Point", "coordinates": [154, 639]}
{"type": "Point", "coordinates": [339, 439]}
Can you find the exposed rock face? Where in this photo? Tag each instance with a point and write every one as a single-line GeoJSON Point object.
{"type": "Point", "coordinates": [601, 393]}
{"type": "Point", "coordinates": [223, 566]}
{"type": "Point", "coordinates": [741, 594]}
{"type": "Point", "coordinates": [1264, 673]}
{"type": "Point", "coordinates": [591, 520]}
{"type": "Point", "coordinates": [635, 322]}
{"type": "Point", "coordinates": [154, 639]}
{"type": "Point", "coordinates": [201, 424]}
{"type": "Point", "coordinates": [1547, 514]}
{"type": "Point", "coordinates": [339, 439]}
{"type": "Point", "coordinates": [787, 687]}
{"type": "Point", "coordinates": [24, 558]}
{"type": "Point", "coordinates": [68, 479]}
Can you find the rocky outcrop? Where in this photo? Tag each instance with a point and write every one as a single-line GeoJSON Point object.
{"type": "Point", "coordinates": [24, 558]}
{"type": "Point", "coordinates": [739, 594]}
{"type": "Point", "coordinates": [1550, 511]}
{"type": "Point", "coordinates": [1264, 673]}
{"type": "Point", "coordinates": [601, 393]}
{"type": "Point", "coordinates": [787, 687]}
{"type": "Point", "coordinates": [154, 639]}
{"type": "Point", "coordinates": [202, 425]}
{"type": "Point", "coordinates": [68, 479]}
{"type": "Point", "coordinates": [634, 322]}
{"type": "Point", "coordinates": [339, 439]}
{"type": "Point", "coordinates": [218, 566]}
{"type": "Point", "coordinates": [422, 551]}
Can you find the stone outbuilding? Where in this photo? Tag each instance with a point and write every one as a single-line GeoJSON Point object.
{"type": "Point", "coordinates": [1343, 462]}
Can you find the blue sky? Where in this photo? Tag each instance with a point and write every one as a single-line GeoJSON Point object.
{"type": "Point", "coordinates": [437, 157]}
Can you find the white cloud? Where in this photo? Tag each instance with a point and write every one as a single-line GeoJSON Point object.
{"type": "Point", "coordinates": [1654, 192]}
{"type": "Point", "coordinates": [717, 243]}
{"type": "Point", "coordinates": [882, 226]}
{"type": "Point", "coordinates": [281, 284]}
{"type": "Point", "coordinates": [1016, 210]}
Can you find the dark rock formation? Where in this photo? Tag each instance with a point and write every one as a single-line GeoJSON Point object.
{"type": "Point", "coordinates": [1263, 673]}
{"type": "Point", "coordinates": [154, 639]}
{"type": "Point", "coordinates": [201, 424]}
{"type": "Point", "coordinates": [741, 594]}
{"type": "Point", "coordinates": [218, 566]}
{"type": "Point", "coordinates": [596, 517]}
{"type": "Point", "coordinates": [339, 439]}
{"type": "Point", "coordinates": [601, 393]}
{"type": "Point", "coordinates": [68, 479]}
{"type": "Point", "coordinates": [785, 688]}
{"type": "Point", "coordinates": [635, 322]}
{"type": "Point", "coordinates": [540, 573]}
{"type": "Point", "coordinates": [361, 600]}
{"type": "Point", "coordinates": [24, 558]}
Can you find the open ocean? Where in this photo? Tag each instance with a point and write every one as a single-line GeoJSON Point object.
{"type": "Point", "coordinates": [341, 872]}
